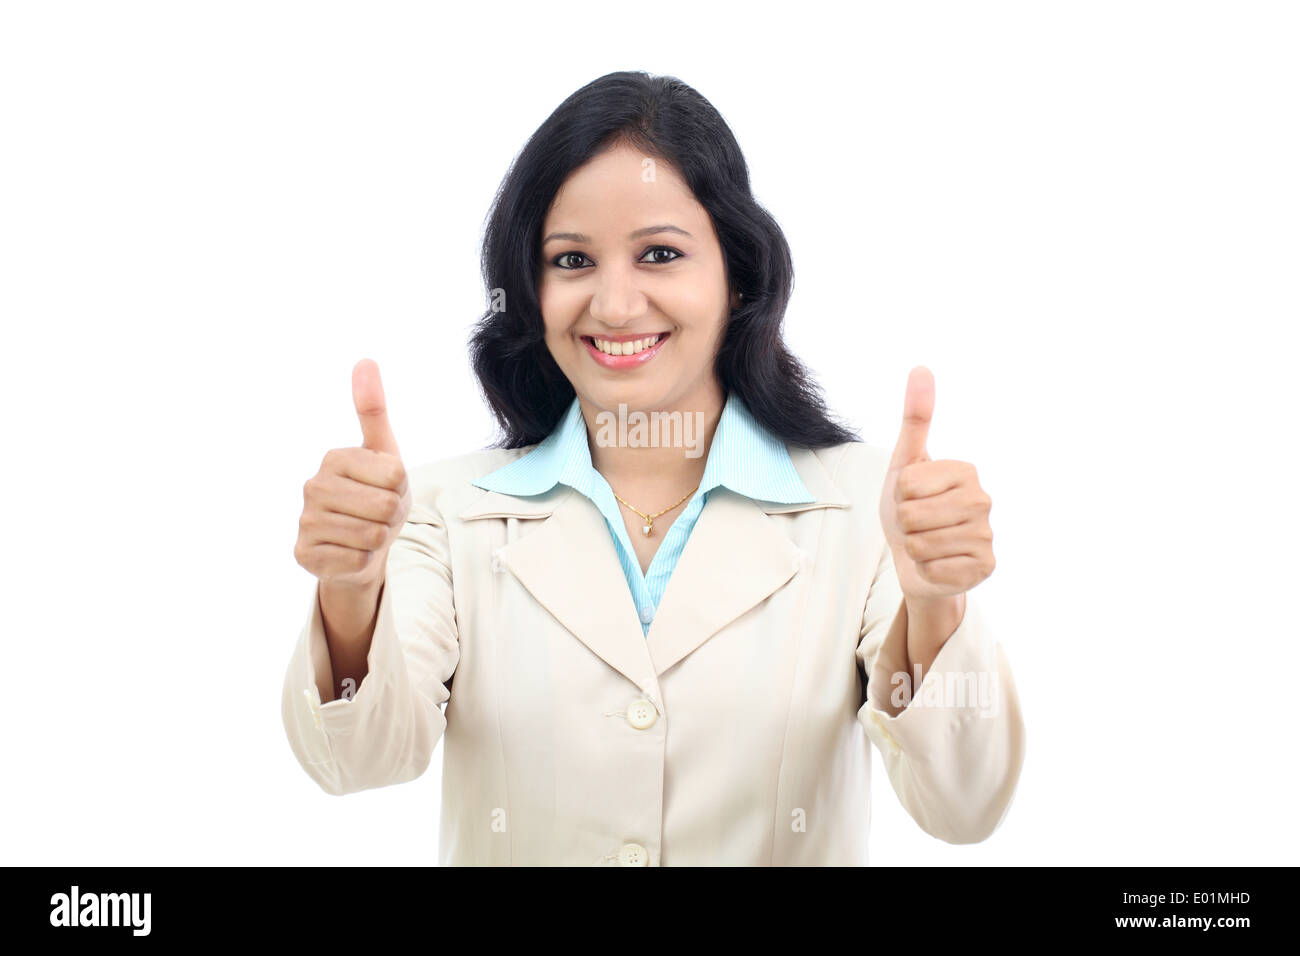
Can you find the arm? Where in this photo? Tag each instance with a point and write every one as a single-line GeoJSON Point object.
{"type": "Point", "coordinates": [929, 625]}
{"type": "Point", "coordinates": [385, 734]}
{"type": "Point", "coordinates": [953, 750]}
{"type": "Point", "coordinates": [348, 613]}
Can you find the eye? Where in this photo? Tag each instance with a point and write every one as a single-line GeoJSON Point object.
{"type": "Point", "coordinates": [565, 259]}
{"type": "Point", "coordinates": [559, 260]}
{"type": "Point", "coordinates": [657, 249]}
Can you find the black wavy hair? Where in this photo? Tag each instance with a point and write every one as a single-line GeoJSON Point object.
{"type": "Point", "coordinates": [666, 119]}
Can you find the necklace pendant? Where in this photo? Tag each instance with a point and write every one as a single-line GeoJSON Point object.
{"type": "Point", "coordinates": [646, 529]}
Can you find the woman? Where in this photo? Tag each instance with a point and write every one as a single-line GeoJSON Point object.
{"type": "Point", "coordinates": [677, 599]}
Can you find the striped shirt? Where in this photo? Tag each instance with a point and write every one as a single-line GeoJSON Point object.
{"type": "Point", "coordinates": [744, 457]}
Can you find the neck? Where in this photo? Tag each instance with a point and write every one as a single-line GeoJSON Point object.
{"type": "Point", "coordinates": [655, 470]}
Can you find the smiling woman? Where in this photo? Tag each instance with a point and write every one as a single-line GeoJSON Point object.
{"type": "Point", "coordinates": [640, 197]}
{"type": "Point", "coordinates": [659, 657]}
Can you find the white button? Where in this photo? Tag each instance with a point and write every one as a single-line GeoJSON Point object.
{"type": "Point", "coordinates": [496, 560]}
{"type": "Point", "coordinates": [647, 614]}
{"type": "Point", "coordinates": [633, 854]}
{"type": "Point", "coordinates": [642, 714]}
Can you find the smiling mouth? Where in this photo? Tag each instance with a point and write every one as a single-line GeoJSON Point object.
{"type": "Point", "coordinates": [624, 345]}
{"type": "Point", "coordinates": [626, 354]}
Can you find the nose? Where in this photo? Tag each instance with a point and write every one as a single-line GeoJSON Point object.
{"type": "Point", "coordinates": [617, 300]}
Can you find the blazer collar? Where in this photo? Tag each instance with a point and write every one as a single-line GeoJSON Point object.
{"type": "Point", "coordinates": [570, 566]}
{"type": "Point", "coordinates": [744, 456]}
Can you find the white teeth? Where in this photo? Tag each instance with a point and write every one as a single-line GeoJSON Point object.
{"type": "Point", "coordinates": [625, 348]}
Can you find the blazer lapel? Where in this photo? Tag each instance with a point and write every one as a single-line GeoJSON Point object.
{"type": "Point", "coordinates": [735, 558]}
{"type": "Point", "coordinates": [570, 566]}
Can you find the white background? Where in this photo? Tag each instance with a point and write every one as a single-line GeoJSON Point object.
{"type": "Point", "coordinates": [1081, 216]}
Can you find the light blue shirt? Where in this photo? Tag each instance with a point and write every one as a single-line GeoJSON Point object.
{"type": "Point", "coordinates": [744, 456]}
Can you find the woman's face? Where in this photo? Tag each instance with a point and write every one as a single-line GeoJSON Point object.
{"type": "Point", "coordinates": [636, 256]}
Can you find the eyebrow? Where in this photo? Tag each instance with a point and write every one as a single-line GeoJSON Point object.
{"type": "Point", "coordinates": [637, 234]}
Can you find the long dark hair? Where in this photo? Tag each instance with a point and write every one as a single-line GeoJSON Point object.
{"type": "Point", "coordinates": [664, 118]}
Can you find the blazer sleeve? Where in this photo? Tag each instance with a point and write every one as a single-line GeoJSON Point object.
{"type": "Point", "coordinates": [954, 753]}
{"type": "Point", "coordinates": [385, 734]}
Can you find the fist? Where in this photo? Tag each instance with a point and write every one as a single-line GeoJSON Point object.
{"type": "Point", "coordinates": [354, 507]}
{"type": "Point", "coordinates": [935, 515]}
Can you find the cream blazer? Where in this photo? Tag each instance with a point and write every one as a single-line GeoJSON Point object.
{"type": "Point", "coordinates": [736, 733]}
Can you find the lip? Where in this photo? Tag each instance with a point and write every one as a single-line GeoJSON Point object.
{"type": "Point", "coordinates": [620, 362]}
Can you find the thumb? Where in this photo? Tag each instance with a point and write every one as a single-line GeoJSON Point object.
{"type": "Point", "coordinates": [918, 406]}
{"type": "Point", "coordinates": [368, 396]}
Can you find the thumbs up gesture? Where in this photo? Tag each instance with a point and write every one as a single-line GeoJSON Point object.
{"type": "Point", "coordinates": [354, 507]}
{"type": "Point", "coordinates": [934, 513]}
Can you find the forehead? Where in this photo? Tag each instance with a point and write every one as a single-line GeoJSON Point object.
{"type": "Point", "coordinates": [619, 185]}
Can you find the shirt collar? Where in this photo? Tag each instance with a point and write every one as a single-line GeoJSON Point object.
{"type": "Point", "coordinates": [744, 457]}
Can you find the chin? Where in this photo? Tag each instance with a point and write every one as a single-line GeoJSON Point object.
{"type": "Point", "coordinates": [639, 396]}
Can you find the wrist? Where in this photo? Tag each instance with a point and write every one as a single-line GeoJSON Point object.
{"type": "Point", "coordinates": [936, 606]}
{"type": "Point", "coordinates": [930, 622]}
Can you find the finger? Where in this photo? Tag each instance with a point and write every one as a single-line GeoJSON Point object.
{"type": "Point", "coordinates": [376, 468]}
{"type": "Point", "coordinates": [335, 559]}
{"type": "Point", "coordinates": [368, 397]}
{"type": "Point", "coordinates": [918, 407]}
{"type": "Point", "coordinates": [922, 479]}
{"type": "Point", "coordinates": [960, 571]}
{"type": "Point", "coordinates": [349, 531]}
{"type": "Point", "coordinates": [342, 495]}
{"type": "Point", "coordinates": [965, 538]}
{"type": "Point", "coordinates": [952, 507]}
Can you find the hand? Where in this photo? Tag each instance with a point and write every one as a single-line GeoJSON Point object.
{"type": "Point", "coordinates": [934, 513]}
{"type": "Point", "coordinates": [356, 504]}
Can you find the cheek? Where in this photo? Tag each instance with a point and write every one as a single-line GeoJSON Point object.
{"type": "Point", "coordinates": [700, 306]}
{"type": "Point", "coordinates": [551, 315]}
{"type": "Point", "coordinates": [703, 319]}
{"type": "Point", "coordinates": [559, 309]}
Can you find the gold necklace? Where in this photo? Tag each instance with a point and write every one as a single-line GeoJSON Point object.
{"type": "Point", "coordinates": [649, 526]}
